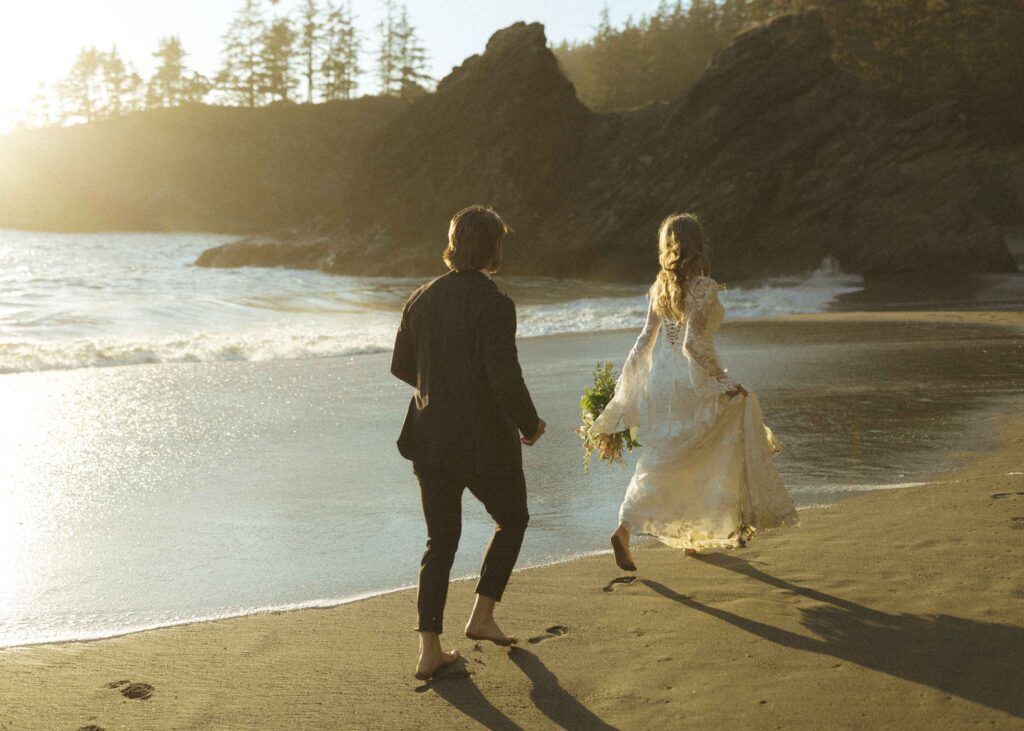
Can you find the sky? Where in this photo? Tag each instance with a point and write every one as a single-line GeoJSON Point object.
{"type": "Point", "coordinates": [39, 39]}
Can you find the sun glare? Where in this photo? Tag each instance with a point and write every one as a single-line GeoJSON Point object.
{"type": "Point", "coordinates": [38, 43]}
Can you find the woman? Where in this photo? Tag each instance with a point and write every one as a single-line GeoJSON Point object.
{"type": "Point", "coordinates": [705, 478]}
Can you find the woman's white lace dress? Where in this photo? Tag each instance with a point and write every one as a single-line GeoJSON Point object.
{"type": "Point", "coordinates": [705, 477]}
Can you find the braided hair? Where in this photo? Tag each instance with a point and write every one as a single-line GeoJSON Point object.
{"type": "Point", "coordinates": [682, 258]}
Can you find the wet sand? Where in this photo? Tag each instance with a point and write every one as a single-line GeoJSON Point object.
{"type": "Point", "coordinates": [890, 609]}
{"type": "Point", "coordinates": [278, 485]}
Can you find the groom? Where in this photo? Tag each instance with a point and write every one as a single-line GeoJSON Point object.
{"type": "Point", "coordinates": [456, 346]}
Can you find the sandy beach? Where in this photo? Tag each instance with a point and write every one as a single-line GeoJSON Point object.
{"type": "Point", "coordinates": [219, 222]}
{"type": "Point", "coordinates": [890, 609]}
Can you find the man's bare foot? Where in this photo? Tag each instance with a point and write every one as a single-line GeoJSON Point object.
{"type": "Point", "coordinates": [620, 547]}
{"type": "Point", "coordinates": [432, 657]}
{"type": "Point", "coordinates": [428, 665]}
{"type": "Point", "coordinates": [482, 627]}
{"type": "Point", "coordinates": [489, 631]}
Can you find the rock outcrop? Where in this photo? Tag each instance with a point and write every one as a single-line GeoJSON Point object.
{"type": "Point", "coordinates": [786, 158]}
{"type": "Point", "coordinates": [505, 128]}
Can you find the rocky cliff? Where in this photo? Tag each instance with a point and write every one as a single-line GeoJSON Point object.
{"type": "Point", "coordinates": [505, 128]}
{"type": "Point", "coordinates": [786, 158]}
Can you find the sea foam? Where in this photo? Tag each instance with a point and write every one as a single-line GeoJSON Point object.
{"type": "Point", "coordinates": [775, 297]}
{"type": "Point", "coordinates": [198, 348]}
{"type": "Point", "coordinates": [175, 314]}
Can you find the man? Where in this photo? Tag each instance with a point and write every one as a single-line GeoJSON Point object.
{"type": "Point", "coordinates": [456, 346]}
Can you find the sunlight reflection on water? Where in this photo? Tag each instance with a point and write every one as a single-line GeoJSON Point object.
{"type": "Point", "coordinates": [148, 495]}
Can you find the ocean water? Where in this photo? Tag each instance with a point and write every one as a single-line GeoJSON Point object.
{"type": "Point", "coordinates": [89, 300]}
{"type": "Point", "coordinates": [180, 444]}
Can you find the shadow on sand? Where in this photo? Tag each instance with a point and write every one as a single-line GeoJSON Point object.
{"type": "Point", "coordinates": [977, 661]}
{"type": "Point", "coordinates": [457, 687]}
{"type": "Point", "coordinates": [551, 699]}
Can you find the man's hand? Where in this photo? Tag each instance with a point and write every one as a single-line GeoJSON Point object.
{"type": "Point", "coordinates": [541, 427]}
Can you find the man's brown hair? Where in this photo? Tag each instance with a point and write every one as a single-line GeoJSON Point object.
{"type": "Point", "coordinates": [474, 239]}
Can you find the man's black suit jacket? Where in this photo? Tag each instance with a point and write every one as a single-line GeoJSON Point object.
{"type": "Point", "coordinates": [456, 345]}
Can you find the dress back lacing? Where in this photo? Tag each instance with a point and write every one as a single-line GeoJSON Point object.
{"type": "Point", "coordinates": [674, 331]}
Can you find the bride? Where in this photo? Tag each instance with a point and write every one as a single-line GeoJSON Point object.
{"type": "Point", "coordinates": [705, 478]}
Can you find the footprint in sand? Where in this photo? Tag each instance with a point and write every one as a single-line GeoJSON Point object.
{"type": "Point", "coordinates": [552, 632]}
{"type": "Point", "coordinates": [1018, 522]}
{"type": "Point", "coordinates": [137, 691]}
{"type": "Point", "coordinates": [1004, 495]}
{"type": "Point", "coordinates": [134, 691]}
{"type": "Point", "coordinates": [620, 580]}
{"type": "Point", "coordinates": [91, 727]}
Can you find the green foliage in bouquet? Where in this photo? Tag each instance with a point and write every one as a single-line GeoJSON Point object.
{"type": "Point", "coordinates": [609, 447]}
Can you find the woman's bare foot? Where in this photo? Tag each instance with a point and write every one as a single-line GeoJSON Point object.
{"type": "Point", "coordinates": [620, 546]}
{"type": "Point", "coordinates": [432, 657]}
{"type": "Point", "coordinates": [481, 625]}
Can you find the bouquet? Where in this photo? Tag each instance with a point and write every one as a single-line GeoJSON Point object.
{"type": "Point", "coordinates": [609, 447]}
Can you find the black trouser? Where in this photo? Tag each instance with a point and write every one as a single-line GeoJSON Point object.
{"type": "Point", "coordinates": [504, 497]}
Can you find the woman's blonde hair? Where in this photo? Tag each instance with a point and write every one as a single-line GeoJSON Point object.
{"type": "Point", "coordinates": [682, 258]}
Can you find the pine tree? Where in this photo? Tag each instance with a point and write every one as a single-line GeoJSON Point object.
{"type": "Point", "coordinates": [41, 112]}
{"type": "Point", "coordinates": [631, 85]}
{"type": "Point", "coordinates": [120, 87]}
{"type": "Point", "coordinates": [342, 47]}
{"type": "Point", "coordinates": [411, 69]}
{"type": "Point", "coordinates": [605, 29]}
{"type": "Point", "coordinates": [655, 58]}
{"type": "Point", "coordinates": [388, 51]}
{"type": "Point", "coordinates": [195, 88]}
{"type": "Point", "coordinates": [169, 84]}
{"type": "Point", "coordinates": [310, 39]}
{"type": "Point", "coordinates": [80, 91]}
{"type": "Point", "coordinates": [595, 85]}
{"type": "Point", "coordinates": [99, 85]}
{"type": "Point", "coordinates": [277, 55]}
{"type": "Point", "coordinates": [240, 78]}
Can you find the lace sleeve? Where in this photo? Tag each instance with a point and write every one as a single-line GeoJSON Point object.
{"type": "Point", "coordinates": [699, 344]}
{"type": "Point", "coordinates": [623, 411]}
{"type": "Point", "coordinates": [645, 341]}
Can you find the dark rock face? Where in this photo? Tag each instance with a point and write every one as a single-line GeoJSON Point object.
{"type": "Point", "coordinates": [788, 160]}
{"type": "Point", "coordinates": [505, 128]}
{"type": "Point", "coordinates": [502, 129]}
{"type": "Point", "coordinates": [785, 158]}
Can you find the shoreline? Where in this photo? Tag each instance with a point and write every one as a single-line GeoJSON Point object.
{"type": "Point", "coordinates": [644, 542]}
{"type": "Point", "coordinates": [915, 592]}
{"type": "Point", "coordinates": [996, 319]}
